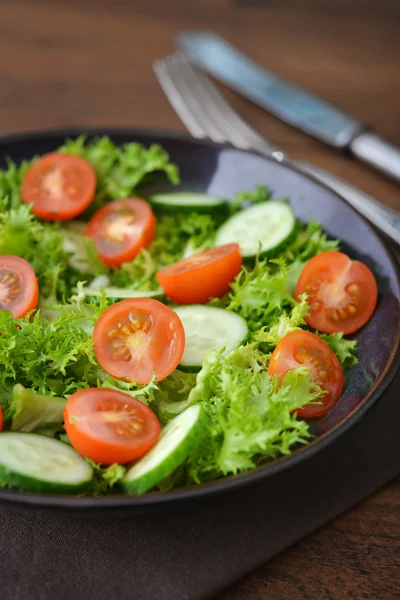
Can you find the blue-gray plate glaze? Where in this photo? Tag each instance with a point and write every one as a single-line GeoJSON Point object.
{"type": "Point", "coordinates": [222, 171]}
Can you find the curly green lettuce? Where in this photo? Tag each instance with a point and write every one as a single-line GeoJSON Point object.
{"type": "Point", "coordinates": [259, 294]}
{"type": "Point", "coordinates": [345, 350]}
{"type": "Point", "coordinates": [310, 240]}
{"type": "Point", "coordinates": [250, 414]}
{"type": "Point", "coordinates": [120, 169]}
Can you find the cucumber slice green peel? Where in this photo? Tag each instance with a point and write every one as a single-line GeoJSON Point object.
{"type": "Point", "coordinates": [209, 328]}
{"type": "Point", "coordinates": [261, 229]}
{"type": "Point", "coordinates": [37, 463]}
{"type": "Point", "coordinates": [188, 201]}
{"type": "Point", "coordinates": [177, 440]}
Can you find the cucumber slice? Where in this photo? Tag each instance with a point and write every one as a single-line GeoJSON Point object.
{"type": "Point", "coordinates": [112, 292]}
{"type": "Point", "coordinates": [209, 328]}
{"type": "Point", "coordinates": [263, 228]}
{"type": "Point", "coordinates": [188, 201]}
{"type": "Point", "coordinates": [36, 463]}
{"type": "Point", "coordinates": [178, 438]}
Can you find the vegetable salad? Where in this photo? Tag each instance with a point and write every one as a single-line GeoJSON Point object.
{"type": "Point", "coordinates": [160, 342]}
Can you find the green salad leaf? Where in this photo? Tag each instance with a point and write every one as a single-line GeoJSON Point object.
{"type": "Point", "coordinates": [345, 350]}
{"type": "Point", "coordinates": [51, 358]}
{"type": "Point", "coordinates": [310, 240]}
{"type": "Point", "coordinates": [285, 323]}
{"type": "Point", "coordinates": [105, 478]}
{"type": "Point", "coordinates": [260, 294]}
{"type": "Point", "coordinates": [249, 413]}
{"type": "Point", "coordinates": [41, 244]}
{"type": "Point", "coordinates": [10, 183]}
{"type": "Point", "coordinates": [242, 199]}
{"type": "Point", "coordinates": [35, 412]}
{"type": "Point", "coordinates": [120, 169]}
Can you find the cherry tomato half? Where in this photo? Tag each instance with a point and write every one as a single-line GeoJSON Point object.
{"type": "Point", "coordinates": [108, 426]}
{"type": "Point", "coordinates": [302, 348]}
{"type": "Point", "coordinates": [60, 186]}
{"type": "Point", "coordinates": [342, 293]}
{"type": "Point", "coordinates": [19, 289]}
{"type": "Point", "coordinates": [203, 276]}
{"type": "Point", "coordinates": [121, 229]}
{"type": "Point", "coordinates": [139, 337]}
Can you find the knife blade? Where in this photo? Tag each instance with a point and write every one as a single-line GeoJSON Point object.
{"type": "Point", "coordinates": [289, 102]}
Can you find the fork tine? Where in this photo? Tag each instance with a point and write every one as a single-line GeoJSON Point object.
{"type": "Point", "coordinates": [203, 109]}
{"type": "Point", "coordinates": [176, 100]}
{"type": "Point", "coordinates": [185, 101]}
{"type": "Point", "coordinates": [223, 116]}
{"type": "Point", "coordinates": [218, 110]}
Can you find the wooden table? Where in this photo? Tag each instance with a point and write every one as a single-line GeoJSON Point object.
{"type": "Point", "coordinates": [77, 62]}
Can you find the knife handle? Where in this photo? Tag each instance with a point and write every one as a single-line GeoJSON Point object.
{"type": "Point", "coordinates": [375, 151]}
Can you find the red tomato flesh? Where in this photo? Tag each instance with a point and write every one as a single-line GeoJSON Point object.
{"type": "Point", "coordinates": [302, 348]}
{"type": "Point", "coordinates": [109, 427]}
{"type": "Point", "coordinates": [342, 293]}
{"type": "Point", "coordinates": [206, 275]}
{"type": "Point", "coordinates": [137, 338]}
{"type": "Point", "coordinates": [121, 229]}
{"type": "Point", "coordinates": [19, 289]}
{"type": "Point", "coordinates": [59, 186]}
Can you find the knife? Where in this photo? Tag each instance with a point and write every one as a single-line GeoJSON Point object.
{"type": "Point", "coordinates": [288, 102]}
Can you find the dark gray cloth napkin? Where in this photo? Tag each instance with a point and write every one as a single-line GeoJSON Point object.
{"type": "Point", "coordinates": [193, 554]}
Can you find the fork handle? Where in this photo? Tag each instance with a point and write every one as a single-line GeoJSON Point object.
{"type": "Point", "coordinates": [383, 217]}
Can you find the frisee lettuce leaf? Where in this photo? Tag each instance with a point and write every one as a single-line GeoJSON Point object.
{"type": "Point", "coordinates": [105, 478]}
{"type": "Point", "coordinates": [242, 199]}
{"type": "Point", "coordinates": [41, 244]}
{"type": "Point", "coordinates": [345, 350]}
{"type": "Point", "coordinates": [52, 358]}
{"type": "Point", "coordinates": [120, 169]}
{"type": "Point", "coordinates": [249, 413]}
{"type": "Point", "coordinates": [10, 183]}
{"type": "Point", "coordinates": [310, 240]}
{"type": "Point", "coordinates": [284, 324]}
{"type": "Point", "coordinates": [30, 411]}
{"type": "Point", "coordinates": [260, 294]}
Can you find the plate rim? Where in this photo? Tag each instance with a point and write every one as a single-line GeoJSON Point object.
{"type": "Point", "coordinates": [207, 490]}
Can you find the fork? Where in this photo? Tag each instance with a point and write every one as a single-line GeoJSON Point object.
{"type": "Point", "coordinates": [207, 115]}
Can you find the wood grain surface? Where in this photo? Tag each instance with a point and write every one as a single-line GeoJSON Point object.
{"type": "Point", "coordinates": [88, 62]}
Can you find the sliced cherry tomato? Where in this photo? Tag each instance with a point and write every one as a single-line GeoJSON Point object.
{"type": "Point", "coordinates": [342, 293]}
{"type": "Point", "coordinates": [121, 229]}
{"type": "Point", "coordinates": [108, 426]}
{"type": "Point", "coordinates": [19, 289]}
{"type": "Point", "coordinates": [302, 348]}
{"type": "Point", "coordinates": [60, 186]}
{"type": "Point", "coordinates": [137, 338]}
{"type": "Point", "coordinates": [203, 276]}
{"type": "Point", "coordinates": [1, 419]}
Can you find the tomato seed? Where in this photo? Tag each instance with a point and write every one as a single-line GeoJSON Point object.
{"type": "Point", "coordinates": [315, 305]}
{"type": "Point", "coordinates": [352, 288]}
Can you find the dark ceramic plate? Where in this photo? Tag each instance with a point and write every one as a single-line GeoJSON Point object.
{"type": "Point", "coordinates": [224, 171]}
